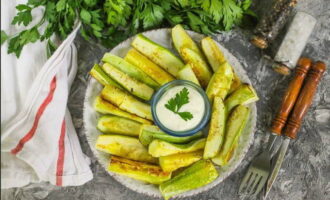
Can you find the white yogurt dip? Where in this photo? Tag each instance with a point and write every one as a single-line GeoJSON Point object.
{"type": "Point", "coordinates": [173, 121]}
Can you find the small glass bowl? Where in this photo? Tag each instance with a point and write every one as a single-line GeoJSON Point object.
{"type": "Point", "coordinates": [156, 97]}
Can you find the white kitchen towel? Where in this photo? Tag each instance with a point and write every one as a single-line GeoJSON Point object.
{"type": "Point", "coordinates": [38, 140]}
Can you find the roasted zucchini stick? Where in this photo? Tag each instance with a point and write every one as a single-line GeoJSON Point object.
{"type": "Point", "coordinates": [159, 148]}
{"type": "Point", "coordinates": [173, 162]}
{"type": "Point", "coordinates": [220, 82]}
{"type": "Point", "coordinates": [98, 73]}
{"type": "Point", "coordinates": [124, 146]}
{"type": "Point", "coordinates": [188, 74]}
{"type": "Point", "coordinates": [104, 107]}
{"type": "Point", "coordinates": [234, 127]}
{"type": "Point", "coordinates": [132, 85]}
{"type": "Point", "coordinates": [150, 132]}
{"type": "Point", "coordinates": [197, 175]}
{"type": "Point", "coordinates": [213, 53]}
{"type": "Point", "coordinates": [150, 68]}
{"type": "Point", "coordinates": [198, 65]}
{"type": "Point", "coordinates": [126, 102]}
{"type": "Point", "coordinates": [138, 170]}
{"type": "Point", "coordinates": [244, 95]}
{"type": "Point", "coordinates": [217, 129]}
{"type": "Point", "coordinates": [181, 40]}
{"type": "Point", "coordinates": [129, 69]}
{"type": "Point", "coordinates": [118, 125]}
{"type": "Point", "coordinates": [158, 54]}
{"type": "Point", "coordinates": [236, 83]}
{"type": "Point", "coordinates": [216, 59]}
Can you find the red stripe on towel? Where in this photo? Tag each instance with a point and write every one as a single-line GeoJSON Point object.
{"type": "Point", "coordinates": [40, 111]}
{"type": "Point", "coordinates": [60, 159]}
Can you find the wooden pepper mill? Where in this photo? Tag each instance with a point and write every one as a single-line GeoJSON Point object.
{"type": "Point", "coordinates": [290, 96]}
{"type": "Point", "coordinates": [305, 99]}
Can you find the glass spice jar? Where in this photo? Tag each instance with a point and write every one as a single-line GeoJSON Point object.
{"type": "Point", "coordinates": [272, 22]}
{"type": "Point", "coordinates": [294, 42]}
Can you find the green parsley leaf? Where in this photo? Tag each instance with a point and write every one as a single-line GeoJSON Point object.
{"type": "Point", "coordinates": [90, 3]}
{"type": "Point", "coordinates": [22, 7]}
{"type": "Point", "coordinates": [175, 103]}
{"type": "Point", "coordinates": [171, 105]}
{"type": "Point", "coordinates": [85, 16]}
{"type": "Point", "coordinates": [185, 115]}
{"type": "Point", "coordinates": [50, 12]}
{"type": "Point", "coordinates": [23, 16]}
{"type": "Point", "coordinates": [226, 11]}
{"type": "Point", "coordinates": [4, 36]}
{"type": "Point", "coordinates": [36, 3]}
{"type": "Point", "coordinates": [245, 4]}
{"type": "Point", "coordinates": [214, 7]}
{"type": "Point", "coordinates": [174, 19]}
{"type": "Point", "coordinates": [60, 5]}
{"type": "Point", "coordinates": [182, 98]}
{"type": "Point", "coordinates": [28, 36]}
{"type": "Point", "coordinates": [118, 11]}
{"type": "Point", "coordinates": [232, 14]}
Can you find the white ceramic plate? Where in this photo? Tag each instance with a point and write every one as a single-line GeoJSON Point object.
{"type": "Point", "coordinates": [163, 37]}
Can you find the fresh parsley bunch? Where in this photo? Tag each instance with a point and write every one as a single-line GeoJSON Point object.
{"type": "Point", "coordinates": [111, 21]}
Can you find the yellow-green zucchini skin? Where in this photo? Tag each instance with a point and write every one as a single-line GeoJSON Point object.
{"type": "Point", "coordinates": [234, 127]}
{"type": "Point", "coordinates": [159, 148]}
{"type": "Point", "coordinates": [181, 39]}
{"type": "Point", "coordinates": [118, 125]}
{"type": "Point", "coordinates": [188, 74]}
{"type": "Point", "coordinates": [217, 129]}
{"type": "Point", "coordinates": [158, 54]}
{"type": "Point", "coordinates": [126, 102]}
{"type": "Point", "coordinates": [216, 58]}
{"type": "Point", "coordinates": [220, 82]}
{"type": "Point", "coordinates": [133, 86]}
{"type": "Point", "coordinates": [124, 146]}
{"type": "Point", "coordinates": [197, 175]}
{"type": "Point", "coordinates": [213, 53]}
{"type": "Point", "coordinates": [138, 170]}
{"type": "Point", "coordinates": [129, 69]}
{"type": "Point", "coordinates": [173, 162]}
{"type": "Point", "coordinates": [98, 73]}
{"type": "Point", "coordinates": [244, 95]}
{"type": "Point", "coordinates": [104, 107]}
{"type": "Point", "coordinates": [150, 68]}
{"type": "Point", "coordinates": [198, 65]}
{"type": "Point", "coordinates": [236, 83]}
{"type": "Point", "coordinates": [151, 132]}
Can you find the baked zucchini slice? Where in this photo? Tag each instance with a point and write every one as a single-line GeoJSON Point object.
{"type": "Point", "coordinates": [138, 170]}
{"type": "Point", "coordinates": [159, 148]}
{"type": "Point", "coordinates": [132, 85]}
{"type": "Point", "coordinates": [124, 146]}
{"type": "Point", "coordinates": [158, 54]}
{"type": "Point", "coordinates": [147, 66]}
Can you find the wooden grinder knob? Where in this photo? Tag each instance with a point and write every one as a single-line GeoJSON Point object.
{"type": "Point", "coordinates": [305, 99]}
{"type": "Point", "coordinates": [291, 95]}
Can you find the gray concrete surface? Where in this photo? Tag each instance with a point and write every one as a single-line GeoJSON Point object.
{"type": "Point", "coordinates": [305, 174]}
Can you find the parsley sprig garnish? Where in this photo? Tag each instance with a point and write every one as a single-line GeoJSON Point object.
{"type": "Point", "coordinates": [175, 103]}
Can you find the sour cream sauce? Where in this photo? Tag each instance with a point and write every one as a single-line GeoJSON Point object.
{"type": "Point", "coordinates": [174, 122]}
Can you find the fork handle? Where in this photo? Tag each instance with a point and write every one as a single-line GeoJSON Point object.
{"type": "Point", "coordinates": [305, 99]}
{"type": "Point", "coordinates": [291, 95]}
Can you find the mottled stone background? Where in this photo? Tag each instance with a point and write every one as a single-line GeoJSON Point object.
{"type": "Point", "coordinates": [305, 173]}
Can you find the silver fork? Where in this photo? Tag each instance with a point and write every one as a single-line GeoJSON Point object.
{"type": "Point", "coordinates": [258, 172]}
